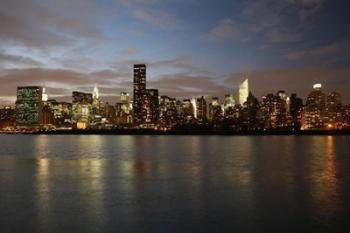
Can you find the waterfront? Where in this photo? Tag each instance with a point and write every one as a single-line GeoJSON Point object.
{"type": "Point", "coordinates": [107, 183]}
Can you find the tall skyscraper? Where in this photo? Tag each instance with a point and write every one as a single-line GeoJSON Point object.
{"type": "Point", "coordinates": [45, 96]}
{"type": "Point", "coordinates": [152, 107]}
{"type": "Point", "coordinates": [334, 110]}
{"type": "Point", "coordinates": [29, 106]}
{"type": "Point", "coordinates": [243, 92]}
{"type": "Point", "coordinates": [95, 93]}
{"type": "Point", "coordinates": [201, 109]}
{"type": "Point", "coordinates": [315, 106]}
{"type": "Point", "coordinates": [96, 103]}
{"type": "Point", "coordinates": [140, 94]}
{"type": "Point", "coordinates": [194, 106]}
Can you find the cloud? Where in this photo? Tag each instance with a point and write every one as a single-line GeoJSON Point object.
{"type": "Point", "coordinates": [295, 55]}
{"type": "Point", "coordinates": [153, 12]}
{"type": "Point", "coordinates": [185, 86]}
{"type": "Point", "coordinates": [274, 21]}
{"type": "Point", "coordinates": [310, 8]}
{"type": "Point", "coordinates": [47, 24]}
{"type": "Point", "coordinates": [15, 60]}
{"type": "Point", "coordinates": [331, 53]}
{"type": "Point", "coordinates": [158, 18]}
{"type": "Point", "coordinates": [129, 51]}
{"type": "Point", "coordinates": [183, 64]}
{"type": "Point", "coordinates": [227, 29]}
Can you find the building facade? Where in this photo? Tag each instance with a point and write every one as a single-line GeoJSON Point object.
{"type": "Point", "coordinates": [29, 106]}
{"type": "Point", "coordinates": [140, 95]}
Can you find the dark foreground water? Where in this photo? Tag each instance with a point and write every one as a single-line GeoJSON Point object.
{"type": "Point", "coordinates": [174, 183]}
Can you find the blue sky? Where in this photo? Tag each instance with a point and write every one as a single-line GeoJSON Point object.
{"type": "Point", "coordinates": [209, 46]}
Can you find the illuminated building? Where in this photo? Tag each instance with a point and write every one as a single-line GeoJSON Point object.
{"type": "Point", "coordinates": [314, 109]}
{"type": "Point", "coordinates": [250, 113]}
{"type": "Point", "coordinates": [201, 109]}
{"type": "Point", "coordinates": [187, 110]}
{"type": "Point", "coordinates": [7, 117]}
{"type": "Point", "coordinates": [282, 95]}
{"type": "Point", "coordinates": [229, 101]}
{"type": "Point", "coordinates": [29, 106]}
{"type": "Point", "coordinates": [151, 107]}
{"type": "Point", "coordinates": [140, 113]}
{"type": "Point", "coordinates": [168, 113]}
{"type": "Point", "coordinates": [180, 112]}
{"type": "Point", "coordinates": [95, 93]}
{"type": "Point", "coordinates": [98, 108]}
{"type": "Point", "coordinates": [47, 117]}
{"type": "Point", "coordinates": [274, 111]}
{"type": "Point", "coordinates": [194, 107]}
{"type": "Point", "coordinates": [45, 96]}
{"type": "Point", "coordinates": [124, 111]}
{"type": "Point", "coordinates": [215, 112]}
{"type": "Point", "coordinates": [346, 117]}
{"type": "Point", "coordinates": [124, 97]}
{"type": "Point", "coordinates": [243, 92]}
{"type": "Point", "coordinates": [62, 113]}
{"type": "Point", "coordinates": [81, 106]}
{"type": "Point", "coordinates": [333, 114]}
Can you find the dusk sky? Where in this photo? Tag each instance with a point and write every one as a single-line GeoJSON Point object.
{"type": "Point", "coordinates": [191, 47]}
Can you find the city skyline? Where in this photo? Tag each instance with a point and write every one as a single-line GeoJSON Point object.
{"type": "Point", "coordinates": [148, 109]}
{"type": "Point", "coordinates": [192, 48]}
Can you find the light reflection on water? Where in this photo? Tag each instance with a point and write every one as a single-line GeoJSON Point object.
{"type": "Point", "coordinates": [171, 183]}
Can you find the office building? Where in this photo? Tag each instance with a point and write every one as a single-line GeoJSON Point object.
{"type": "Point", "coordinates": [140, 95]}
{"type": "Point", "coordinates": [243, 92]}
{"type": "Point", "coordinates": [29, 106]}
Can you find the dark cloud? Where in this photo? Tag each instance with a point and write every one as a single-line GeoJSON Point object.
{"type": "Point", "coordinates": [183, 64]}
{"type": "Point", "coordinates": [331, 54]}
{"type": "Point", "coordinates": [10, 59]}
{"type": "Point", "coordinates": [151, 13]}
{"type": "Point", "coordinates": [43, 24]}
{"type": "Point", "coordinates": [276, 21]}
{"type": "Point", "coordinates": [184, 86]}
{"type": "Point", "coordinates": [227, 29]}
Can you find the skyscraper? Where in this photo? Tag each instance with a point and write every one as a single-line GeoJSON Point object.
{"type": "Point", "coordinates": [152, 107]}
{"type": "Point", "coordinates": [29, 106]}
{"type": "Point", "coordinates": [243, 92]}
{"type": "Point", "coordinates": [95, 93]}
{"type": "Point", "coordinates": [124, 97]}
{"type": "Point", "coordinates": [140, 94]}
{"type": "Point", "coordinates": [315, 106]}
{"type": "Point", "coordinates": [201, 109]}
{"type": "Point", "coordinates": [229, 102]}
{"type": "Point", "coordinates": [96, 103]}
{"type": "Point", "coordinates": [81, 106]}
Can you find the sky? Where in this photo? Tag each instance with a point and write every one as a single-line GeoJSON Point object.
{"type": "Point", "coordinates": [192, 48]}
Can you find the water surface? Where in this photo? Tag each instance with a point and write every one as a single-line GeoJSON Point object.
{"type": "Point", "coordinates": [96, 183]}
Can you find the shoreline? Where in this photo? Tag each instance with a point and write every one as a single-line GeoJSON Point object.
{"type": "Point", "coordinates": [184, 132]}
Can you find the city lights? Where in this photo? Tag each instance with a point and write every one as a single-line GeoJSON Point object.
{"type": "Point", "coordinates": [239, 111]}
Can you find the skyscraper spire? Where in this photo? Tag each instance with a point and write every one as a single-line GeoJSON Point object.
{"type": "Point", "coordinates": [44, 96]}
{"type": "Point", "coordinates": [95, 93]}
{"type": "Point", "coordinates": [243, 92]}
